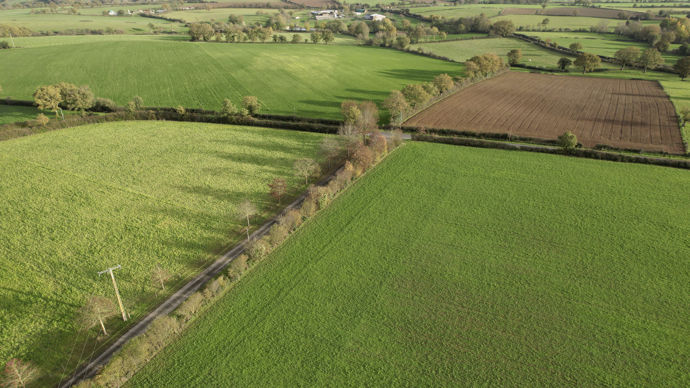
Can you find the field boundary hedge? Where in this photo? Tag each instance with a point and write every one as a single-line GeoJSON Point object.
{"type": "Point", "coordinates": [31, 127]}
{"type": "Point", "coordinates": [465, 82]}
{"type": "Point", "coordinates": [578, 152]}
{"type": "Point", "coordinates": [505, 137]}
{"type": "Point", "coordinates": [564, 50]}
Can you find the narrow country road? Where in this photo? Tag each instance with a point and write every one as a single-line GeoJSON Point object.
{"type": "Point", "coordinates": [92, 367]}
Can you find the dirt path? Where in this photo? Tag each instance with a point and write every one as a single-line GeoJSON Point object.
{"type": "Point", "coordinates": [91, 369]}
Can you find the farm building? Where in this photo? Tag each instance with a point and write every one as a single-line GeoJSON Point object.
{"type": "Point", "coordinates": [375, 17]}
{"type": "Point", "coordinates": [327, 14]}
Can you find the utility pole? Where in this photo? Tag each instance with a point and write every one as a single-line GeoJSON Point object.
{"type": "Point", "coordinates": [117, 292]}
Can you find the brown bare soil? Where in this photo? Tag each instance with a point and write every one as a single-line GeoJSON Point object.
{"type": "Point", "coordinates": [606, 13]}
{"type": "Point", "coordinates": [630, 114]}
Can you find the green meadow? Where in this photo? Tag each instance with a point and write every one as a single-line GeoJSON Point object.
{"type": "Point", "coordinates": [571, 22]}
{"type": "Point", "coordinates": [600, 44]}
{"type": "Point", "coordinates": [60, 22]}
{"type": "Point", "coordinates": [463, 50]}
{"type": "Point", "coordinates": [453, 266]}
{"type": "Point", "coordinates": [221, 14]}
{"type": "Point", "coordinates": [77, 201]}
{"type": "Point", "coordinates": [306, 79]}
{"type": "Point", "coordinates": [464, 11]}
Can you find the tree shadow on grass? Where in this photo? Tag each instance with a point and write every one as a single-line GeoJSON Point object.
{"type": "Point", "coordinates": [225, 195]}
{"type": "Point", "coordinates": [321, 103]}
{"type": "Point", "coordinates": [414, 75]}
{"type": "Point", "coordinates": [380, 94]}
{"type": "Point", "coordinates": [271, 143]}
{"type": "Point", "coordinates": [262, 162]}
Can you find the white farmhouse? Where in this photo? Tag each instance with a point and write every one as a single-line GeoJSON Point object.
{"type": "Point", "coordinates": [375, 17]}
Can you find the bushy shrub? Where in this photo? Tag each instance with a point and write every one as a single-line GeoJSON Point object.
{"type": "Point", "coordinates": [42, 120]}
{"type": "Point", "coordinates": [251, 104]}
{"type": "Point", "coordinates": [257, 249]}
{"type": "Point", "coordinates": [238, 266]}
{"type": "Point", "coordinates": [104, 105]}
{"type": "Point", "coordinates": [343, 178]}
{"type": "Point", "coordinates": [160, 331]}
{"type": "Point", "coordinates": [291, 220]}
{"type": "Point", "coordinates": [278, 234]}
{"type": "Point", "coordinates": [378, 144]}
{"type": "Point", "coordinates": [363, 158]}
{"type": "Point", "coordinates": [568, 141]}
{"type": "Point", "coordinates": [309, 207]}
{"type": "Point", "coordinates": [216, 286]}
{"type": "Point", "coordinates": [190, 306]}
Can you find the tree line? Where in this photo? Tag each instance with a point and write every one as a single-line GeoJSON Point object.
{"type": "Point", "coordinates": [415, 96]}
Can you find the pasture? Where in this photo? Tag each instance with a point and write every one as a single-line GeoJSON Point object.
{"type": "Point", "coordinates": [305, 79]}
{"type": "Point", "coordinates": [62, 22]}
{"type": "Point", "coordinates": [454, 266]}
{"type": "Point", "coordinates": [619, 113]}
{"type": "Point", "coordinates": [606, 13]}
{"type": "Point", "coordinates": [600, 44]}
{"type": "Point", "coordinates": [16, 113]}
{"type": "Point", "coordinates": [464, 11]}
{"type": "Point", "coordinates": [79, 200]}
{"type": "Point", "coordinates": [533, 22]}
{"type": "Point", "coordinates": [463, 50]}
{"type": "Point", "coordinates": [250, 15]}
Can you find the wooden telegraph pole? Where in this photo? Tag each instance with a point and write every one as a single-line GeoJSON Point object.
{"type": "Point", "coordinates": [117, 291]}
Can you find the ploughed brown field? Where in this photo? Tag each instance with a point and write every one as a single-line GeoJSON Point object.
{"type": "Point", "coordinates": [607, 13]}
{"type": "Point", "coordinates": [631, 114]}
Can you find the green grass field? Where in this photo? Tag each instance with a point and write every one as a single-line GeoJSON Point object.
{"type": "Point", "coordinates": [453, 266]}
{"type": "Point", "coordinates": [62, 40]}
{"type": "Point", "coordinates": [571, 22]}
{"type": "Point", "coordinates": [464, 11]}
{"type": "Point", "coordinates": [79, 200]}
{"type": "Point", "coordinates": [465, 49]}
{"type": "Point", "coordinates": [221, 15]}
{"type": "Point", "coordinates": [600, 44]}
{"type": "Point", "coordinates": [15, 113]}
{"type": "Point", "coordinates": [21, 17]}
{"type": "Point", "coordinates": [306, 79]}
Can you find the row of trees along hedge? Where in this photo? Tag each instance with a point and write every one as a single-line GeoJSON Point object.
{"type": "Point", "coordinates": [246, 114]}
{"type": "Point", "coordinates": [360, 152]}
{"type": "Point", "coordinates": [376, 33]}
{"type": "Point", "coordinates": [416, 96]}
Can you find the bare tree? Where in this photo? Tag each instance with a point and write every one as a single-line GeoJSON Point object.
{"type": "Point", "coordinates": [96, 310]}
{"type": "Point", "coordinates": [330, 149]}
{"type": "Point", "coordinates": [18, 373]}
{"type": "Point", "coordinates": [160, 275]}
{"type": "Point", "coordinates": [278, 188]}
{"type": "Point", "coordinates": [306, 168]}
{"type": "Point", "coordinates": [245, 210]}
{"type": "Point", "coordinates": [370, 116]}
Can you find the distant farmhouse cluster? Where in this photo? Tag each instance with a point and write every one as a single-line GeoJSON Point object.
{"type": "Point", "coordinates": [128, 12]}
{"type": "Point", "coordinates": [332, 14]}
